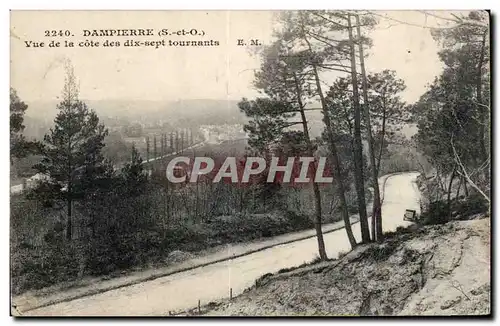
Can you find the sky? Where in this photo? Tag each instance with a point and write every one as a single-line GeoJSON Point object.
{"type": "Point", "coordinates": [173, 73]}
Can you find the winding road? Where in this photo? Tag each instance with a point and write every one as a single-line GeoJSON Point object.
{"type": "Point", "coordinates": [182, 290]}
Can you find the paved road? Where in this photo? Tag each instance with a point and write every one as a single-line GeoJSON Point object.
{"type": "Point", "coordinates": [183, 290]}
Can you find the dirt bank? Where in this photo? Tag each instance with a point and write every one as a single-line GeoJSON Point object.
{"type": "Point", "coordinates": [434, 270]}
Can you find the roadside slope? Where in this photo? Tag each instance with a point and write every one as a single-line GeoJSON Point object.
{"type": "Point", "coordinates": [435, 270]}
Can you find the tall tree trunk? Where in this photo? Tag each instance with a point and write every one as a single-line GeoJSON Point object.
{"type": "Point", "coordinates": [382, 139]}
{"type": "Point", "coordinates": [333, 148]}
{"type": "Point", "coordinates": [318, 222]}
{"type": "Point", "coordinates": [358, 146]}
{"type": "Point", "coordinates": [69, 198]}
{"type": "Point", "coordinates": [377, 208]}
{"type": "Point", "coordinates": [341, 189]}
{"type": "Point", "coordinates": [316, 191]}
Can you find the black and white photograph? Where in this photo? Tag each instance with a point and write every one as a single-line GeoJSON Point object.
{"type": "Point", "coordinates": [250, 163]}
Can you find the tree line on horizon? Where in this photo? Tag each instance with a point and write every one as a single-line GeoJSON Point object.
{"type": "Point", "coordinates": [125, 217]}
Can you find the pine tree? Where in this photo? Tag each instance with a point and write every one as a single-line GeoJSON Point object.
{"type": "Point", "coordinates": [453, 116]}
{"type": "Point", "coordinates": [284, 78]}
{"type": "Point", "coordinates": [19, 146]}
{"type": "Point", "coordinates": [377, 205]}
{"type": "Point", "coordinates": [134, 175]}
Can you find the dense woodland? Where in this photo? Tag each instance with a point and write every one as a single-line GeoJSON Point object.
{"type": "Point", "coordinates": [92, 216]}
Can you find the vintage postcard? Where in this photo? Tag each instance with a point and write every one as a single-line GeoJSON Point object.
{"type": "Point", "coordinates": [250, 163]}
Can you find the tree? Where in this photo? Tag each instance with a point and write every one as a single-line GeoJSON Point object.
{"type": "Point", "coordinates": [319, 39]}
{"type": "Point", "coordinates": [377, 206]}
{"type": "Point", "coordinates": [134, 175]}
{"type": "Point", "coordinates": [328, 35]}
{"type": "Point", "coordinates": [447, 127]}
{"type": "Point", "coordinates": [384, 88]}
{"type": "Point", "coordinates": [71, 151]}
{"type": "Point", "coordinates": [323, 33]}
{"type": "Point", "coordinates": [283, 78]}
{"type": "Point", "coordinates": [358, 147]}
{"type": "Point", "coordinates": [19, 146]}
{"type": "Point", "coordinates": [316, 38]}
{"type": "Point", "coordinates": [453, 115]}
{"type": "Point", "coordinates": [17, 110]}
{"type": "Point", "coordinates": [466, 51]}
{"type": "Point", "coordinates": [387, 110]}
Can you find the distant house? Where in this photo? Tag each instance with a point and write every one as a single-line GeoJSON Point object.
{"type": "Point", "coordinates": [29, 183]}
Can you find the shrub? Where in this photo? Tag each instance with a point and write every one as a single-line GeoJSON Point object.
{"type": "Point", "coordinates": [438, 212]}
{"type": "Point", "coordinates": [316, 260]}
{"type": "Point", "coordinates": [474, 204]}
{"type": "Point", "coordinates": [298, 221]}
{"type": "Point", "coordinates": [35, 269]}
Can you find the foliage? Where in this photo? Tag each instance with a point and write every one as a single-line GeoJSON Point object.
{"type": "Point", "coordinates": [134, 175]}
{"type": "Point", "coordinates": [115, 249]}
{"type": "Point", "coordinates": [19, 146]}
{"type": "Point", "coordinates": [387, 110]}
{"type": "Point", "coordinates": [453, 115]}
{"type": "Point", "coordinates": [72, 157]}
{"type": "Point", "coordinates": [268, 121]}
{"type": "Point", "coordinates": [438, 212]}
